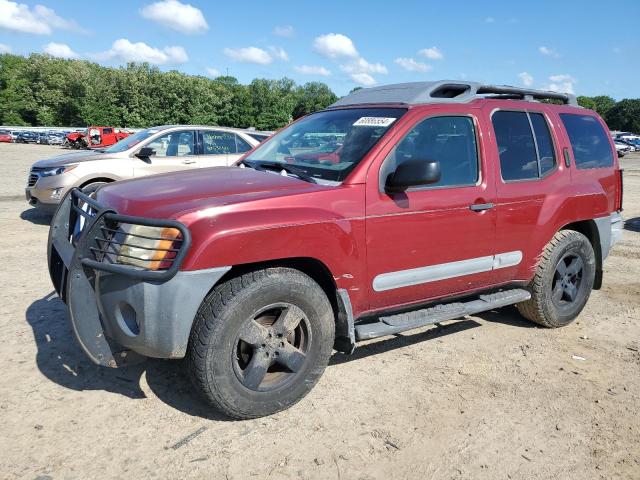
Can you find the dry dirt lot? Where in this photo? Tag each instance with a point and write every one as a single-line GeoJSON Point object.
{"type": "Point", "coordinates": [490, 397]}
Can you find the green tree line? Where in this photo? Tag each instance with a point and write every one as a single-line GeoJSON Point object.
{"type": "Point", "coordinates": [40, 90]}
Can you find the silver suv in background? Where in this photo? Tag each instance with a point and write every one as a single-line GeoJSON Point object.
{"type": "Point", "coordinates": [155, 150]}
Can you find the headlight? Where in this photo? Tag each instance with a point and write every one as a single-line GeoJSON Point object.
{"type": "Point", "coordinates": [56, 170]}
{"type": "Point", "coordinates": [148, 247]}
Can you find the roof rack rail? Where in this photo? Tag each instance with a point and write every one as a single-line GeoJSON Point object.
{"type": "Point", "coordinates": [446, 91]}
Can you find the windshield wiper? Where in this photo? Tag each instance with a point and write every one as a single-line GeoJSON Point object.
{"type": "Point", "coordinates": [260, 165]}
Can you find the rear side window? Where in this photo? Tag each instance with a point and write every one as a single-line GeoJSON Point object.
{"type": "Point", "coordinates": [589, 142]}
{"type": "Point", "coordinates": [524, 144]}
{"type": "Point", "coordinates": [107, 131]}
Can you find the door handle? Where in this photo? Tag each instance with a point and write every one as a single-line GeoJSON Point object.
{"type": "Point", "coordinates": [480, 207]}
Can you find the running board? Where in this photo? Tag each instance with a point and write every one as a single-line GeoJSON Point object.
{"type": "Point", "coordinates": [449, 311]}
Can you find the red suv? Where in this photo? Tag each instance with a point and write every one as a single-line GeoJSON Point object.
{"type": "Point", "coordinates": [443, 199]}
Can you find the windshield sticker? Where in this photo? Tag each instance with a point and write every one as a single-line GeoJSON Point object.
{"type": "Point", "coordinates": [374, 122]}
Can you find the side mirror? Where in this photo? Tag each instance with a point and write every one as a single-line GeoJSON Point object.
{"type": "Point", "coordinates": [413, 173]}
{"type": "Point", "coordinates": [145, 153]}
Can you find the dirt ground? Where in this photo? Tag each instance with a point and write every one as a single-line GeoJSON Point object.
{"type": "Point", "coordinates": [489, 397]}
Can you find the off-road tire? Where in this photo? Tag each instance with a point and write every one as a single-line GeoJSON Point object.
{"type": "Point", "coordinates": [212, 351]}
{"type": "Point", "coordinates": [541, 308]}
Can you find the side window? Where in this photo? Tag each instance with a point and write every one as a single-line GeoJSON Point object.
{"type": "Point", "coordinates": [544, 143]}
{"type": "Point", "coordinates": [518, 159]}
{"type": "Point", "coordinates": [524, 144]}
{"type": "Point", "coordinates": [174, 144]}
{"type": "Point", "coordinates": [107, 131]}
{"type": "Point", "coordinates": [243, 146]}
{"type": "Point", "coordinates": [451, 141]}
{"type": "Point", "coordinates": [589, 142]}
{"type": "Point", "coordinates": [218, 143]}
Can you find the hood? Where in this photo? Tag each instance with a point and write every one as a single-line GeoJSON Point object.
{"type": "Point", "coordinates": [67, 158]}
{"type": "Point", "coordinates": [173, 194]}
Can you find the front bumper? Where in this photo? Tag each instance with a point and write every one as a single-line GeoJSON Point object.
{"type": "Point", "coordinates": [121, 314]}
{"type": "Point", "coordinates": [46, 192]}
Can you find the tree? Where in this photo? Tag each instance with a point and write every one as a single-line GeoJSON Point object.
{"type": "Point", "coordinates": [625, 115]}
{"type": "Point", "coordinates": [312, 97]}
{"type": "Point", "coordinates": [601, 103]}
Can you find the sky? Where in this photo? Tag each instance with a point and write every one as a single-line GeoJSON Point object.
{"type": "Point", "coordinates": [581, 47]}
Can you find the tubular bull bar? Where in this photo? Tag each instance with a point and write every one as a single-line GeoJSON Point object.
{"type": "Point", "coordinates": [82, 254]}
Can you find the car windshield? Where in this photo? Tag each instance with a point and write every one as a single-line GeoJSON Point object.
{"type": "Point", "coordinates": [131, 141]}
{"type": "Point", "coordinates": [327, 145]}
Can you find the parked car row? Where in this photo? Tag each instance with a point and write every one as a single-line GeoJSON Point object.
{"type": "Point", "coordinates": [626, 142]}
{"type": "Point", "coordinates": [49, 137]}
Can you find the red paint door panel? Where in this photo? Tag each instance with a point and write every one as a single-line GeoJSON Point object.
{"type": "Point", "coordinates": [434, 225]}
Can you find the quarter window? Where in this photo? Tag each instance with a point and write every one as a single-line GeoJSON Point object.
{"type": "Point", "coordinates": [524, 144]}
{"type": "Point", "coordinates": [589, 142]}
{"type": "Point", "coordinates": [451, 141]}
{"type": "Point", "coordinates": [243, 146]}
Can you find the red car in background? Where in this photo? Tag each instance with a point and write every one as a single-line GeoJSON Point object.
{"type": "Point", "coordinates": [95, 137]}
{"type": "Point", "coordinates": [5, 138]}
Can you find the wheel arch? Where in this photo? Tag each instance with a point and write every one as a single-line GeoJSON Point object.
{"type": "Point", "coordinates": [95, 180]}
{"type": "Point", "coordinates": [589, 229]}
{"type": "Point", "coordinates": [320, 273]}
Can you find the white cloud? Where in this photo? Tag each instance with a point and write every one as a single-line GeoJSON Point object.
{"type": "Point", "coordinates": [249, 55]}
{"type": "Point", "coordinates": [363, 79]}
{"type": "Point", "coordinates": [182, 17]}
{"type": "Point", "coordinates": [126, 51]}
{"type": "Point", "coordinates": [489, 20]}
{"type": "Point", "coordinates": [279, 53]}
{"type": "Point", "coordinates": [60, 50]}
{"type": "Point", "coordinates": [40, 21]}
{"type": "Point", "coordinates": [312, 70]}
{"type": "Point", "coordinates": [432, 53]}
{"type": "Point", "coordinates": [549, 52]}
{"type": "Point", "coordinates": [562, 83]}
{"type": "Point", "coordinates": [526, 79]}
{"type": "Point", "coordinates": [4, 48]}
{"type": "Point", "coordinates": [412, 65]}
{"type": "Point", "coordinates": [335, 45]}
{"type": "Point", "coordinates": [360, 65]}
{"type": "Point", "coordinates": [286, 31]}
{"type": "Point", "coordinates": [213, 72]}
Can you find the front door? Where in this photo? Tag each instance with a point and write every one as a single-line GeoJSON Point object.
{"type": "Point", "coordinates": [438, 239]}
{"type": "Point", "coordinates": [175, 150]}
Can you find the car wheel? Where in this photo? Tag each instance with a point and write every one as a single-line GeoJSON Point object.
{"type": "Point", "coordinates": [260, 342]}
{"type": "Point", "coordinates": [90, 188]}
{"type": "Point", "coordinates": [563, 281]}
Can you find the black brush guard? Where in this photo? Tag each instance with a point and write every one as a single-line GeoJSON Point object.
{"type": "Point", "coordinates": [76, 258]}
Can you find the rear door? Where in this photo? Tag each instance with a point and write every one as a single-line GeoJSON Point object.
{"type": "Point", "coordinates": [175, 150]}
{"type": "Point", "coordinates": [218, 148]}
{"type": "Point", "coordinates": [530, 182]}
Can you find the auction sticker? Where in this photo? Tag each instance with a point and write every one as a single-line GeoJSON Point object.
{"type": "Point", "coordinates": [374, 122]}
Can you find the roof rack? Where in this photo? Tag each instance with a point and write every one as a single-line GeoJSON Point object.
{"type": "Point", "coordinates": [446, 91]}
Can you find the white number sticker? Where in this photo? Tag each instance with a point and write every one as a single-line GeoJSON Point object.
{"type": "Point", "coordinates": [374, 122]}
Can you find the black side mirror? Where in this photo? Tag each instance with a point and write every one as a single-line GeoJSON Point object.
{"type": "Point", "coordinates": [413, 173]}
{"type": "Point", "coordinates": [145, 153]}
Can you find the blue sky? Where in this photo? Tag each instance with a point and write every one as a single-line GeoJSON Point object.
{"type": "Point", "coordinates": [586, 47]}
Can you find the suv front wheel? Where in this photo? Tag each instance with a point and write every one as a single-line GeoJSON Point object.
{"type": "Point", "coordinates": [563, 281]}
{"type": "Point", "coordinates": [260, 342]}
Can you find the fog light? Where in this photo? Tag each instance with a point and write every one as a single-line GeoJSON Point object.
{"type": "Point", "coordinates": [56, 193]}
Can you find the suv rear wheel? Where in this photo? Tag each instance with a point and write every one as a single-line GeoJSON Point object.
{"type": "Point", "coordinates": [260, 342]}
{"type": "Point", "coordinates": [563, 281]}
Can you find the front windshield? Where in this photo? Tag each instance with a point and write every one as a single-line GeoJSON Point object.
{"type": "Point", "coordinates": [131, 141]}
{"type": "Point", "coordinates": [328, 145]}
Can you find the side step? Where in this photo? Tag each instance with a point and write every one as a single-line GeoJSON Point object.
{"type": "Point", "coordinates": [448, 311]}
